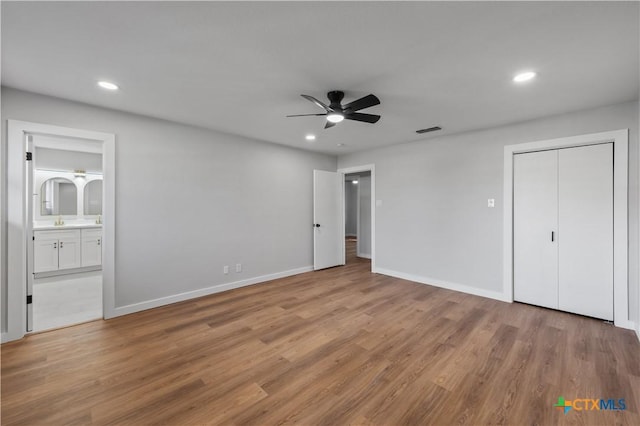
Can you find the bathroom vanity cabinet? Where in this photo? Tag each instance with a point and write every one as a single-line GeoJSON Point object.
{"type": "Point", "coordinates": [66, 249]}
{"type": "Point", "coordinates": [91, 247]}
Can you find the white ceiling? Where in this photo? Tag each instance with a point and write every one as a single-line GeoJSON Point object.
{"type": "Point", "coordinates": [240, 67]}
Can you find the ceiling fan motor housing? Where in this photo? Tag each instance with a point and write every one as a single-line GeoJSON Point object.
{"type": "Point", "coordinates": [335, 97]}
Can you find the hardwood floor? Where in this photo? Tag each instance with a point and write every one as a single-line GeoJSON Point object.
{"type": "Point", "coordinates": [339, 346]}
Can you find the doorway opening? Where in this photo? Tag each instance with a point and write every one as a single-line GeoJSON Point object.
{"type": "Point", "coordinates": [358, 204]}
{"type": "Point", "coordinates": [329, 218]}
{"type": "Point", "coordinates": [357, 217]}
{"type": "Point", "coordinates": [41, 208]}
{"type": "Point", "coordinates": [64, 258]}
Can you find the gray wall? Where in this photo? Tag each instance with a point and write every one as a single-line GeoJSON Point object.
{"type": "Point", "coordinates": [189, 200]}
{"type": "Point", "coordinates": [434, 221]}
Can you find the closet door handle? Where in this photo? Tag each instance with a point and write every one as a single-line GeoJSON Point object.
{"type": "Point", "coordinates": [55, 245]}
{"type": "Point", "coordinates": [552, 236]}
{"type": "Point", "coordinates": [60, 244]}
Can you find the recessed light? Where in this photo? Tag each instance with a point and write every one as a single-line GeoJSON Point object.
{"type": "Point", "coordinates": [108, 85]}
{"type": "Point", "coordinates": [340, 144]}
{"type": "Point", "coordinates": [355, 182]}
{"type": "Point", "coordinates": [310, 137]}
{"type": "Point", "coordinates": [335, 117]}
{"type": "Point", "coordinates": [524, 76]}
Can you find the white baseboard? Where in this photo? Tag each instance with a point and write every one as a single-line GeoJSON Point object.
{"type": "Point", "coordinates": [8, 337]}
{"type": "Point", "coordinates": [497, 295]}
{"type": "Point", "coordinates": [629, 325]}
{"type": "Point", "coordinates": [149, 304]}
{"type": "Point", "coordinates": [365, 255]}
{"type": "Point", "coordinates": [351, 235]}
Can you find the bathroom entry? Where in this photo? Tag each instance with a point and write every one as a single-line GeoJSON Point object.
{"type": "Point", "coordinates": [65, 252]}
{"type": "Point", "coordinates": [357, 203]}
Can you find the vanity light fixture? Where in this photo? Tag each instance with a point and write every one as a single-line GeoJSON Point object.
{"type": "Point", "coordinates": [108, 85]}
{"type": "Point", "coordinates": [310, 137]}
{"type": "Point", "coordinates": [524, 76]}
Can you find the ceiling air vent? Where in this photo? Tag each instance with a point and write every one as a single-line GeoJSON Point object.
{"type": "Point", "coordinates": [430, 129]}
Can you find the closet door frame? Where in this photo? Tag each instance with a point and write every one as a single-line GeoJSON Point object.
{"type": "Point", "coordinates": [620, 140]}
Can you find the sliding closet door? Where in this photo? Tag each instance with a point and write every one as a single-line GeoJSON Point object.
{"type": "Point", "coordinates": [585, 214]}
{"type": "Point", "coordinates": [535, 218]}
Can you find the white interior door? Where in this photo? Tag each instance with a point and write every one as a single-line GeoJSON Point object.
{"type": "Point", "coordinates": [535, 226]}
{"type": "Point", "coordinates": [585, 212]}
{"type": "Point", "coordinates": [327, 219]}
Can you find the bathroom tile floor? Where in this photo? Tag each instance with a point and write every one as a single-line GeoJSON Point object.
{"type": "Point", "coordinates": [66, 300]}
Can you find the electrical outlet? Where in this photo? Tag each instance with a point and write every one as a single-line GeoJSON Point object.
{"type": "Point", "coordinates": [238, 267]}
{"type": "Point", "coordinates": [226, 269]}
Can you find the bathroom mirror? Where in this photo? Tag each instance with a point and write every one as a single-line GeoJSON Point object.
{"type": "Point", "coordinates": [93, 197]}
{"type": "Point", "coordinates": [58, 196]}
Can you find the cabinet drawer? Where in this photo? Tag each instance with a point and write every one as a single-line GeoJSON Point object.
{"type": "Point", "coordinates": [67, 235]}
{"type": "Point", "coordinates": [92, 233]}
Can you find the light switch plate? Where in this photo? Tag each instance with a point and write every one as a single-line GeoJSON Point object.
{"type": "Point", "coordinates": [491, 202]}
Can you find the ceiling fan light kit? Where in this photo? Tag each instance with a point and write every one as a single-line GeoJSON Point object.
{"type": "Point", "coordinates": [335, 112]}
{"type": "Point", "coordinates": [335, 117]}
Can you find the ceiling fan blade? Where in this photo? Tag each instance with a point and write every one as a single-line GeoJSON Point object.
{"type": "Point", "coordinates": [305, 115]}
{"type": "Point", "coordinates": [317, 102]}
{"type": "Point", "coordinates": [362, 103]}
{"type": "Point", "coordinates": [329, 124]}
{"type": "Point", "coordinates": [358, 116]}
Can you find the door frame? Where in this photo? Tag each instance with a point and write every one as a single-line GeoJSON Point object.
{"type": "Point", "coordinates": [620, 140]}
{"type": "Point", "coordinates": [17, 219]}
{"type": "Point", "coordinates": [357, 169]}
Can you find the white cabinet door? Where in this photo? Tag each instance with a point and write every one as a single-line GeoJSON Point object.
{"type": "Point", "coordinates": [45, 254]}
{"type": "Point", "coordinates": [69, 250]}
{"type": "Point", "coordinates": [585, 211]}
{"type": "Point", "coordinates": [69, 254]}
{"type": "Point", "coordinates": [91, 249]}
{"type": "Point", "coordinates": [535, 218]}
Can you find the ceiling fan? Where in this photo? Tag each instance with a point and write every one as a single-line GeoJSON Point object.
{"type": "Point", "coordinates": [336, 112]}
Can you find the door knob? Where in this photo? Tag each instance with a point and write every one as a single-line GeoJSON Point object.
{"type": "Point", "coordinates": [317, 225]}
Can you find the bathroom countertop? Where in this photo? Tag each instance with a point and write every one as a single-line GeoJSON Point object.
{"type": "Point", "coordinates": [65, 226]}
